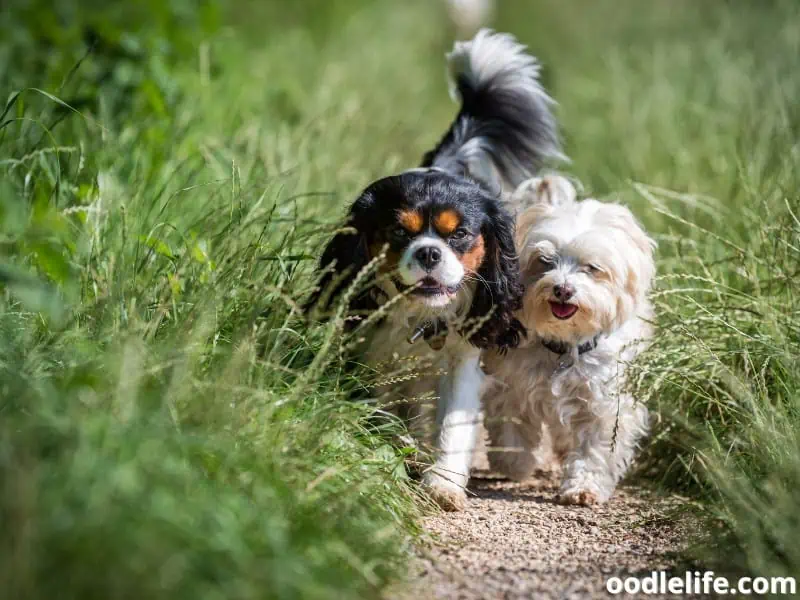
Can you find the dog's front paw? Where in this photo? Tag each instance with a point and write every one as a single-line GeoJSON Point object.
{"type": "Point", "coordinates": [583, 493]}
{"type": "Point", "coordinates": [447, 494]}
{"type": "Point", "coordinates": [579, 497]}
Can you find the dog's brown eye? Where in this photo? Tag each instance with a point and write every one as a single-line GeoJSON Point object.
{"type": "Point", "coordinates": [591, 269]}
{"type": "Point", "coordinates": [547, 261]}
{"type": "Point", "coordinates": [459, 234]}
{"type": "Point", "coordinates": [399, 233]}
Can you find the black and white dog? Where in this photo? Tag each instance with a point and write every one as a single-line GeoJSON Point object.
{"type": "Point", "coordinates": [443, 241]}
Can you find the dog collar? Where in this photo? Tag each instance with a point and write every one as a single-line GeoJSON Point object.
{"type": "Point", "coordinates": [433, 332]}
{"type": "Point", "coordinates": [564, 348]}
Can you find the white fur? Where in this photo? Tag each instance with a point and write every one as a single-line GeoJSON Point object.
{"type": "Point", "coordinates": [457, 421]}
{"type": "Point", "coordinates": [557, 190]}
{"type": "Point", "coordinates": [452, 372]}
{"type": "Point", "coordinates": [496, 57]}
{"type": "Point", "coordinates": [449, 271]}
{"type": "Point", "coordinates": [594, 425]}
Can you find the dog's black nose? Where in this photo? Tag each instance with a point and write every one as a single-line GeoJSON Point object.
{"type": "Point", "coordinates": [428, 257]}
{"type": "Point", "coordinates": [563, 291]}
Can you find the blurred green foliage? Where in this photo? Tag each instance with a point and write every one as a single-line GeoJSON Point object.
{"type": "Point", "coordinates": [157, 440]}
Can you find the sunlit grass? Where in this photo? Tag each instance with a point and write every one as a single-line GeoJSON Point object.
{"type": "Point", "coordinates": [171, 427]}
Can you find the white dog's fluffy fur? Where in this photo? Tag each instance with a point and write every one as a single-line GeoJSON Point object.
{"type": "Point", "coordinates": [603, 262]}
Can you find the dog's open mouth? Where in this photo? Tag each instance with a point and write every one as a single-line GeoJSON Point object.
{"type": "Point", "coordinates": [430, 287]}
{"type": "Point", "coordinates": [427, 287]}
{"type": "Point", "coordinates": [562, 311]}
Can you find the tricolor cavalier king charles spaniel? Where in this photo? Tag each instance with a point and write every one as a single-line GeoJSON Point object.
{"type": "Point", "coordinates": [443, 237]}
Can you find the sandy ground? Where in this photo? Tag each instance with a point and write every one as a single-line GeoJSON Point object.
{"type": "Point", "coordinates": [515, 541]}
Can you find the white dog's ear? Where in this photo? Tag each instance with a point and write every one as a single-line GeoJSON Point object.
{"type": "Point", "coordinates": [642, 265]}
{"type": "Point", "coordinates": [550, 190]}
{"type": "Point", "coordinates": [622, 218]}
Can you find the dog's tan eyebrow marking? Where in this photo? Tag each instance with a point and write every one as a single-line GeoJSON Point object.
{"type": "Point", "coordinates": [447, 221]}
{"type": "Point", "coordinates": [411, 219]}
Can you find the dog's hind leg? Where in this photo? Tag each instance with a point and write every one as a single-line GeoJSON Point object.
{"type": "Point", "coordinates": [512, 445]}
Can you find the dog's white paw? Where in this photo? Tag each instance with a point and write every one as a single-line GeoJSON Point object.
{"type": "Point", "coordinates": [579, 498]}
{"type": "Point", "coordinates": [582, 493]}
{"type": "Point", "coordinates": [447, 494]}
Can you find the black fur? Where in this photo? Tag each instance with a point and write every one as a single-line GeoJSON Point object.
{"type": "Point", "coordinates": [373, 216]}
{"type": "Point", "coordinates": [500, 137]}
{"type": "Point", "coordinates": [344, 256]}
{"type": "Point", "coordinates": [516, 131]}
{"type": "Point", "coordinates": [502, 291]}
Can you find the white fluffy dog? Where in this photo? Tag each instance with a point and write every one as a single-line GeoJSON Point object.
{"type": "Point", "coordinates": [588, 267]}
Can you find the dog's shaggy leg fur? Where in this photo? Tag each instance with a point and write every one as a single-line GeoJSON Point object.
{"type": "Point", "coordinates": [605, 449]}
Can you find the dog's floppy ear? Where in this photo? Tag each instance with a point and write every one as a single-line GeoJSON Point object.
{"type": "Point", "coordinates": [641, 265]}
{"type": "Point", "coordinates": [499, 289]}
{"type": "Point", "coordinates": [344, 255]}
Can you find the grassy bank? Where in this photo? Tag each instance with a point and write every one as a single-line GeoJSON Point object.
{"type": "Point", "coordinates": [171, 429]}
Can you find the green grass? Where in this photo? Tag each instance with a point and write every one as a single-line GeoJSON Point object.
{"type": "Point", "coordinates": [169, 425]}
{"type": "Point", "coordinates": [169, 428]}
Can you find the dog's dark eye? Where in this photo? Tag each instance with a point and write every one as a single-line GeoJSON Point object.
{"type": "Point", "coordinates": [591, 269]}
{"type": "Point", "coordinates": [459, 234]}
{"type": "Point", "coordinates": [399, 233]}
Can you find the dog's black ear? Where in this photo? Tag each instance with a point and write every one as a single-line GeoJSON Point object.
{"type": "Point", "coordinates": [499, 290]}
{"type": "Point", "coordinates": [344, 256]}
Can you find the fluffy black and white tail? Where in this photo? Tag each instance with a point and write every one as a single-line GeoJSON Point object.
{"type": "Point", "coordinates": [505, 130]}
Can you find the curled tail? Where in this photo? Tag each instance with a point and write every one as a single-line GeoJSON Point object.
{"type": "Point", "coordinates": [505, 131]}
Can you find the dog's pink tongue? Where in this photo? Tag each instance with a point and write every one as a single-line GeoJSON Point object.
{"type": "Point", "coordinates": [562, 311]}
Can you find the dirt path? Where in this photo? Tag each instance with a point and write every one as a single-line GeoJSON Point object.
{"type": "Point", "coordinates": [514, 541]}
